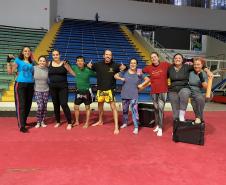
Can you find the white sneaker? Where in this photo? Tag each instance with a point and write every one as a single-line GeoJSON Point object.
{"type": "Point", "coordinates": [182, 119]}
{"type": "Point", "coordinates": [135, 130]}
{"type": "Point", "coordinates": [156, 129]}
{"type": "Point", "coordinates": [57, 125]}
{"type": "Point", "coordinates": [159, 133]}
{"type": "Point", "coordinates": [124, 125]}
{"type": "Point", "coordinates": [43, 124]}
{"type": "Point", "coordinates": [197, 121]}
{"type": "Point", "coordinates": [37, 125]}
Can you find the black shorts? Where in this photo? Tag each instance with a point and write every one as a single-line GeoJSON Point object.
{"type": "Point", "coordinates": [83, 97]}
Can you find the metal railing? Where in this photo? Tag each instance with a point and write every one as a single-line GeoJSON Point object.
{"type": "Point", "coordinates": [217, 57]}
{"type": "Point", "coordinates": [216, 66]}
{"type": "Point", "coordinates": [156, 46]}
{"type": "Point", "coordinates": [161, 50]}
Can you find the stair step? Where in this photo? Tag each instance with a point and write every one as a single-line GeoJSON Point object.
{"type": "Point", "coordinates": [7, 99]}
{"type": "Point", "coordinates": [9, 93]}
{"type": "Point", "coordinates": [11, 87]}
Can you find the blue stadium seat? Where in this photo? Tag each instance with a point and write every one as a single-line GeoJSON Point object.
{"type": "Point", "coordinates": [90, 39]}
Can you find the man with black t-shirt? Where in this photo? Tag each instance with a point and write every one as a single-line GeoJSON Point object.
{"type": "Point", "coordinates": [106, 84]}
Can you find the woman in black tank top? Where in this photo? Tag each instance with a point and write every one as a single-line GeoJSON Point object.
{"type": "Point", "coordinates": [57, 75]}
{"type": "Point", "coordinates": [59, 87]}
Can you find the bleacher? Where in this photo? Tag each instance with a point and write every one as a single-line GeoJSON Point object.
{"type": "Point", "coordinates": [90, 39]}
{"type": "Point", "coordinates": [12, 40]}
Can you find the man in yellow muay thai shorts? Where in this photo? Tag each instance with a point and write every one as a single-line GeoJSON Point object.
{"type": "Point", "coordinates": [106, 82]}
{"type": "Point", "coordinates": [105, 96]}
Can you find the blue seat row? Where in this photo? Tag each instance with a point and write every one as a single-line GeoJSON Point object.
{"type": "Point", "coordinates": [90, 39]}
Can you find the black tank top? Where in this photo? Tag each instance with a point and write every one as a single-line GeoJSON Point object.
{"type": "Point", "coordinates": [57, 75]}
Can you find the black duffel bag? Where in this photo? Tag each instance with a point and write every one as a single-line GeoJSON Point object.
{"type": "Point", "coordinates": [188, 132]}
{"type": "Point", "coordinates": [146, 115]}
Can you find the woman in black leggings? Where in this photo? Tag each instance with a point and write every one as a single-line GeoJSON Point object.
{"type": "Point", "coordinates": [24, 85]}
{"type": "Point", "coordinates": [59, 87]}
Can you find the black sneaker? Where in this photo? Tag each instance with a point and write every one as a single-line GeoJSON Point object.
{"type": "Point", "coordinates": [24, 130]}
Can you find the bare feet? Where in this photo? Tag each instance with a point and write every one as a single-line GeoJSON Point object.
{"type": "Point", "coordinates": [86, 125]}
{"type": "Point", "coordinates": [76, 124]}
{"type": "Point", "coordinates": [97, 123]}
{"type": "Point", "coordinates": [116, 131]}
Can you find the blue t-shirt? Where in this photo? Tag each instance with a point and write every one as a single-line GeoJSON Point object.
{"type": "Point", "coordinates": [25, 71]}
{"type": "Point", "coordinates": [129, 87]}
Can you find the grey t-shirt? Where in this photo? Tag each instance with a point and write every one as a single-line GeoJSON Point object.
{"type": "Point", "coordinates": [41, 79]}
{"type": "Point", "coordinates": [129, 87]}
{"type": "Point", "coordinates": [195, 83]}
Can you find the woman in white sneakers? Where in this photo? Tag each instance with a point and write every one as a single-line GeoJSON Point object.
{"type": "Point", "coordinates": [41, 90]}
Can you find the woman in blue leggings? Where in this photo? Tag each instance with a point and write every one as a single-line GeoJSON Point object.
{"type": "Point", "coordinates": [131, 84]}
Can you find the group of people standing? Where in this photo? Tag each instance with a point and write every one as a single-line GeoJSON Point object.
{"type": "Point", "coordinates": [44, 78]}
{"type": "Point", "coordinates": [185, 81]}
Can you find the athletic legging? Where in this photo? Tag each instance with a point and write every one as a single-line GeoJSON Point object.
{"type": "Point", "coordinates": [134, 108]}
{"type": "Point", "coordinates": [159, 101]}
{"type": "Point", "coordinates": [60, 98]}
{"type": "Point", "coordinates": [41, 99]}
{"type": "Point", "coordinates": [23, 94]}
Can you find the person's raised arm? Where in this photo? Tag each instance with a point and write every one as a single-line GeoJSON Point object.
{"type": "Point", "coordinates": [48, 63]}
{"type": "Point", "coordinates": [208, 72]}
{"type": "Point", "coordinates": [91, 66]}
{"type": "Point", "coordinates": [69, 69]}
{"type": "Point", "coordinates": [11, 66]}
{"type": "Point", "coordinates": [118, 77]}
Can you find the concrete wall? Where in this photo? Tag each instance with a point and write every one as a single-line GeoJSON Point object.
{"type": "Point", "coordinates": [53, 11]}
{"type": "Point", "coordinates": [42, 13]}
{"type": "Point", "coordinates": [215, 47]}
{"type": "Point", "coordinates": [25, 13]}
{"type": "Point", "coordinates": [143, 13]}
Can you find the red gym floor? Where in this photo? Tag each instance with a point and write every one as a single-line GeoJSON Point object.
{"type": "Point", "coordinates": [94, 156]}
